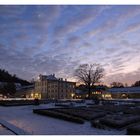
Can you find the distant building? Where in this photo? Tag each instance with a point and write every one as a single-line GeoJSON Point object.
{"type": "Point", "coordinates": [50, 87]}
{"type": "Point", "coordinates": [110, 93]}
{"type": "Point", "coordinates": [126, 92]}
{"type": "Point", "coordinates": [97, 91]}
{"type": "Point", "coordinates": [24, 91]}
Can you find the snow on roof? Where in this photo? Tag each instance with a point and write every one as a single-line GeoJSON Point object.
{"type": "Point", "coordinates": [47, 77]}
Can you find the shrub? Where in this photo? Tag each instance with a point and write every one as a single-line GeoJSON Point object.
{"type": "Point", "coordinates": [134, 111]}
{"type": "Point", "coordinates": [135, 130]}
{"type": "Point", "coordinates": [97, 124]}
{"type": "Point", "coordinates": [119, 121]}
{"type": "Point", "coordinates": [82, 113]}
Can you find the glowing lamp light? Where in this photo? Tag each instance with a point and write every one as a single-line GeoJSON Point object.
{"type": "Point", "coordinates": [72, 95]}
{"type": "Point", "coordinates": [32, 95]}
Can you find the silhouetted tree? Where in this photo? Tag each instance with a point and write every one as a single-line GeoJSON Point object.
{"type": "Point", "coordinates": [8, 89]}
{"type": "Point", "coordinates": [6, 77]}
{"type": "Point", "coordinates": [126, 85]}
{"type": "Point", "coordinates": [89, 74]}
{"type": "Point", "coordinates": [136, 84]}
{"type": "Point", "coordinates": [116, 85]}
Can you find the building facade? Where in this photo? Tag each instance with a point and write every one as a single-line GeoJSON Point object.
{"type": "Point", "coordinates": [125, 93]}
{"type": "Point", "coordinates": [50, 87]}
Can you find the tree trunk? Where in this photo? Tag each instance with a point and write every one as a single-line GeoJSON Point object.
{"type": "Point", "coordinates": [89, 91]}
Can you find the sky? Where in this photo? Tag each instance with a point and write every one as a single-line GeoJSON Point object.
{"type": "Point", "coordinates": [47, 39]}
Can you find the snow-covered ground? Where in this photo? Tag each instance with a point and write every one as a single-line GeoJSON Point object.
{"type": "Point", "coordinates": [24, 118]}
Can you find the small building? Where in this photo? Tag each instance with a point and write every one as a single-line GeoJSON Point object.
{"type": "Point", "coordinates": [50, 87]}
{"type": "Point", "coordinates": [126, 92]}
{"type": "Point", "coordinates": [24, 91]}
{"type": "Point", "coordinates": [96, 92]}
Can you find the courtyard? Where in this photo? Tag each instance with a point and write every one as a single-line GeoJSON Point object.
{"type": "Point", "coordinates": [25, 118]}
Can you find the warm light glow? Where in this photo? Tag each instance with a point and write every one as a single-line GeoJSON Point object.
{"type": "Point", "coordinates": [72, 95]}
{"type": "Point", "coordinates": [107, 96]}
{"type": "Point", "coordinates": [32, 95]}
{"type": "Point", "coordinates": [36, 95]}
{"type": "Point", "coordinates": [86, 95]}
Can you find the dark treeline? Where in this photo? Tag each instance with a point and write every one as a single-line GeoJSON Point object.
{"type": "Point", "coordinates": [6, 77]}
{"type": "Point", "coordinates": [121, 85]}
{"type": "Point", "coordinates": [136, 84]}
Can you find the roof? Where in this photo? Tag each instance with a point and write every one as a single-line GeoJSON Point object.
{"type": "Point", "coordinates": [53, 78]}
{"type": "Point", "coordinates": [124, 90]}
{"type": "Point", "coordinates": [47, 77]}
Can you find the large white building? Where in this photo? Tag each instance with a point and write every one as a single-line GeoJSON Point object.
{"type": "Point", "coordinates": [50, 87]}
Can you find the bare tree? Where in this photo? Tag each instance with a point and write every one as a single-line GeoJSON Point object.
{"type": "Point", "coordinates": [116, 85]}
{"type": "Point", "coordinates": [89, 74]}
{"type": "Point", "coordinates": [136, 84]}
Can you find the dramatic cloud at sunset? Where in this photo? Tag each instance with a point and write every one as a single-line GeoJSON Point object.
{"type": "Point", "coordinates": [56, 39]}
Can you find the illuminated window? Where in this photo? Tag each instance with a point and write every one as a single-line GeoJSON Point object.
{"type": "Point", "coordinates": [86, 95]}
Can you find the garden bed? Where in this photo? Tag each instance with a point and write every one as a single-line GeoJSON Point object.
{"type": "Point", "coordinates": [53, 113]}
{"type": "Point", "coordinates": [82, 113]}
{"type": "Point", "coordinates": [134, 111]}
{"type": "Point", "coordinates": [134, 130]}
{"type": "Point", "coordinates": [119, 121]}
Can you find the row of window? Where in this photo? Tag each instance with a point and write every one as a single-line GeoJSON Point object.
{"type": "Point", "coordinates": [54, 90]}
{"type": "Point", "coordinates": [54, 85]}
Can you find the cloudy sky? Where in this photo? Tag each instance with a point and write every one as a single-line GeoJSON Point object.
{"type": "Point", "coordinates": [56, 39]}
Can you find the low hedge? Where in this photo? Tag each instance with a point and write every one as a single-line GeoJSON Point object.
{"type": "Point", "coordinates": [134, 111]}
{"type": "Point", "coordinates": [82, 113]}
{"type": "Point", "coordinates": [135, 130]}
{"type": "Point", "coordinates": [54, 114]}
{"type": "Point", "coordinates": [120, 122]}
{"type": "Point", "coordinates": [97, 124]}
